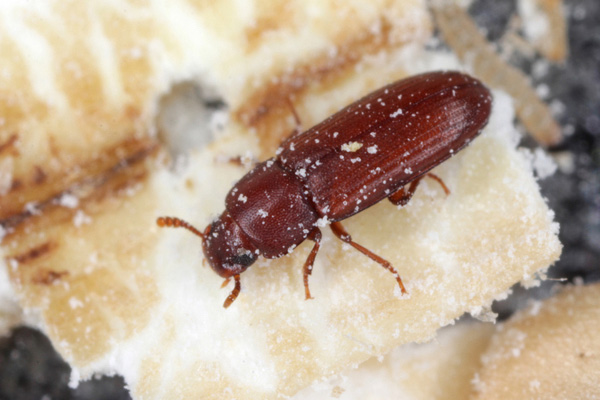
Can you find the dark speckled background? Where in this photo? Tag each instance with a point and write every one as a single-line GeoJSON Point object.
{"type": "Point", "coordinates": [30, 369]}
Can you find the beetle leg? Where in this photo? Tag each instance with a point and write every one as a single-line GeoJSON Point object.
{"type": "Point", "coordinates": [403, 195]}
{"type": "Point", "coordinates": [440, 181]}
{"type": "Point", "coordinates": [234, 293]}
{"type": "Point", "coordinates": [315, 236]}
{"type": "Point", "coordinates": [240, 161]}
{"type": "Point", "coordinates": [340, 232]}
{"type": "Point", "coordinates": [298, 129]}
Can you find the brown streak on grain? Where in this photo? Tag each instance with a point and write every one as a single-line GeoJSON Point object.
{"type": "Point", "coordinates": [54, 148]}
{"type": "Point", "coordinates": [48, 277]}
{"type": "Point", "coordinates": [322, 67]}
{"type": "Point", "coordinates": [132, 112]}
{"type": "Point", "coordinates": [9, 143]}
{"type": "Point", "coordinates": [189, 184]}
{"type": "Point", "coordinates": [16, 184]}
{"type": "Point", "coordinates": [125, 173]}
{"type": "Point", "coordinates": [35, 252]}
{"type": "Point", "coordinates": [39, 176]}
{"type": "Point", "coordinates": [115, 158]}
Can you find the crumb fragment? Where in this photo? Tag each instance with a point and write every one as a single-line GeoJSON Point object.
{"type": "Point", "coordinates": [351, 147]}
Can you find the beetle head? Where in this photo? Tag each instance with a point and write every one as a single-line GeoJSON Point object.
{"type": "Point", "coordinates": [227, 248]}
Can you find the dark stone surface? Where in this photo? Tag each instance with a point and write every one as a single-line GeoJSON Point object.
{"type": "Point", "coordinates": [573, 195]}
{"type": "Point", "coordinates": [493, 16]}
{"type": "Point", "coordinates": [30, 369]}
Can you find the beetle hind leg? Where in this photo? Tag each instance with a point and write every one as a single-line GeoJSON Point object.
{"type": "Point", "coordinates": [404, 194]}
{"type": "Point", "coordinates": [315, 236]}
{"type": "Point", "coordinates": [340, 232]}
{"type": "Point", "coordinates": [440, 181]}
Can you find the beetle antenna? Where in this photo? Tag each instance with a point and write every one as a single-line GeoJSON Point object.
{"type": "Point", "coordinates": [174, 222]}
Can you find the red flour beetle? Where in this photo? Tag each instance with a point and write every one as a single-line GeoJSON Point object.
{"type": "Point", "coordinates": [379, 147]}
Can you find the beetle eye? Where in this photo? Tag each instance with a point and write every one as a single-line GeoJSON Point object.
{"type": "Point", "coordinates": [244, 258]}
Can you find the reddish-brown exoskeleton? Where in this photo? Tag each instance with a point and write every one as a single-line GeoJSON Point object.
{"type": "Point", "coordinates": [379, 147]}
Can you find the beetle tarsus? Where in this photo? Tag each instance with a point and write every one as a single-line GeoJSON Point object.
{"type": "Point", "coordinates": [340, 232]}
{"type": "Point", "coordinates": [315, 236]}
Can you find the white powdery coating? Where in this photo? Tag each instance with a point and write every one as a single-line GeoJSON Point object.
{"type": "Point", "coordinates": [372, 149]}
{"type": "Point", "coordinates": [543, 90]}
{"type": "Point", "coordinates": [31, 208]}
{"type": "Point", "coordinates": [218, 120]}
{"type": "Point", "coordinates": [39, 58]}
{"type": "Point", "coordinates": [322, 222]}
{"type": "Point", "coordinates": [68, 200]}
{"type": "Point", "coordinates": [75, 303]}
{"type": "Point", "coordinates": [535, 23]}
{"type": "Point", "coordinates": [543, 164]}
{"type": "Point", "coordinates": [396, 113]}
{"type": "Point", "coordinates": [301, 172]}
{"type": "Point", "coordinates": [540, 68]}
{"type": "Point", "coordinates": [80, 218]}
{"type": "Point", "coordinates": [497, 124]}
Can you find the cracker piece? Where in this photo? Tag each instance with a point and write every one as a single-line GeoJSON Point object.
{"type": "Point", "coordinates": [547, 351]}
{"type": "Point", "coordinates": [440, 369]}
{"type": "Point", "coordinates": [116, 294]}
{"type": "Point", "coordinates": [145, 307]}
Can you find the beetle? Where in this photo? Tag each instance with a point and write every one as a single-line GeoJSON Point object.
{"type": "Point", "coordinates": [378, 147]}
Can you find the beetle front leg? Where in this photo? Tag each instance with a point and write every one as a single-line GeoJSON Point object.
{"type": "Point", "coordinates": [403, 195]}
{"type": "Point", "coordinates": [234, 293]}
{"type": "Point", "coordinates": [315, 236]}
{"type": "Point", "coordinates": [340, 232]}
